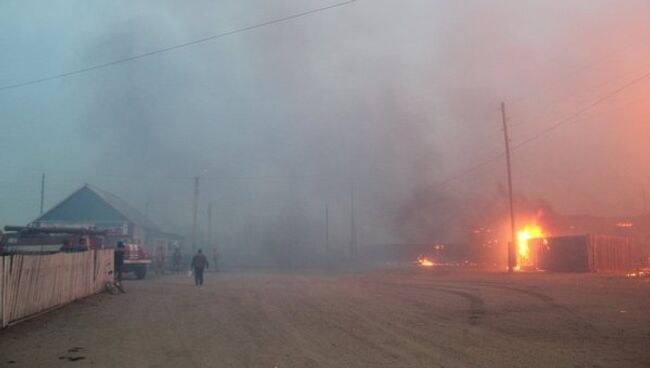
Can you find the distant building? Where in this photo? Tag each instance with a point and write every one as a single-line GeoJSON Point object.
{"type": "Point", "coordinates": [91, 207]}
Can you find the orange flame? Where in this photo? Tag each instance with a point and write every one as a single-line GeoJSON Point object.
{"type": "Point", "coordinates": [530, 231]}
{"type": "Point", "coordinates": [425, 262]}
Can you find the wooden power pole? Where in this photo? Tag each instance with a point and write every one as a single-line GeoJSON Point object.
{"type": "Point", "coordinates": [209, 224]}
{"type": "Point", "coordinates": [194, 215]}
{"type": "Point", "coordinates": [42, 192]}
{"type": "Point", "coordinates": [513, 236]}
{"type": "Point", "coordinates": [353, 228]}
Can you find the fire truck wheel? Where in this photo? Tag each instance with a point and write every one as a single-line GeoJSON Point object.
{"type": "Point", "coordinates": [140, 272]}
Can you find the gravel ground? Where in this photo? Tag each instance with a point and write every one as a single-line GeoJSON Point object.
{"type": "Point", "coordinates": [379, 318]}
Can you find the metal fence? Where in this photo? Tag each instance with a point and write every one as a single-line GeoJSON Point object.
{"type": "Point", "coordinates": [31, 284]}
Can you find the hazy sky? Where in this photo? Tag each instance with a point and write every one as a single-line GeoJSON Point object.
{"type": "Point", "coordinates": [394, 96]}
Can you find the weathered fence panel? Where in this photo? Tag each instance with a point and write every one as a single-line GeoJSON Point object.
{"type": "Point", "coordinates": [30, 284]}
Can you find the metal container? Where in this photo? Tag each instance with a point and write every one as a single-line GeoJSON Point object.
{"type": "Point", "coordinates": [583, 253]}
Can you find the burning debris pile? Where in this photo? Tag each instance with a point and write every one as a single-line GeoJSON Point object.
{"type": "Point", "coordinates": [442, 255]}
{"type": "Point", "coordinates": [645, 273]}
{"type": "Point", "coordinates": [425, 262]}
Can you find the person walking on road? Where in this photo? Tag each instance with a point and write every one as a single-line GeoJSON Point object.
{"type": "Point", "coordinates": [160, 260]}
{"type": "Point", "coordinates": [199, 263]}
{"type": "Point", "coordinates": [119, 260]}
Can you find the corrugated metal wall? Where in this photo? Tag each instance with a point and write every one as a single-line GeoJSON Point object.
{"type": "Point", "coordinates": [610, 253]}
{"type": "Point", "coordinates": [583, 253]}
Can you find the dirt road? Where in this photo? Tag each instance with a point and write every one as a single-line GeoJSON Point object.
{"type": "Point", "coordinates": [396, 318]}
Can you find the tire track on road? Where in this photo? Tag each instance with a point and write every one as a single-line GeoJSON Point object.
{"type": "Point", "coordinates": [390, 326]}
{"type": "Point", "coordinates": [550, 301]}
{"type": "Point", "coordinates": [475, 302]}
{"type": "Point", "coordinates": [578, 318]}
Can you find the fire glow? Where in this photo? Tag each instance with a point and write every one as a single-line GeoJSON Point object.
{"type": "Point", "coordinates": [530, 231]}
{"type": "Point", "coordinates": [425, 262]}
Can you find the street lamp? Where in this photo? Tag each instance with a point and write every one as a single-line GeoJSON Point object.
{"type": "Point", "coordinates": [196, 204]}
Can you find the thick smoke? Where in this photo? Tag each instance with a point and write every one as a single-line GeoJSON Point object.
{"type": "Point", "coordinates": [301, 111]}
{"type": "Point", "coordinates": [394, 99]}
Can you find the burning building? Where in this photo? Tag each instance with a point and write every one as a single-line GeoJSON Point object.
{"type": "Point", "coordinates": [567, 243]}
{"type": "Point", "coordinates": [569, 249]}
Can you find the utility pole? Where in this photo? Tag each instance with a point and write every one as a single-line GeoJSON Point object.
{"type": "Point", "coordinates": [353, 228]}
{"type": "Point", "coordinates": [196, 204]}
{"type": "Point", "coordinates": [145, 239]}
{"type": "Point", "coordinates": [196, 208]}
{"type": "Point", "coordinates": [327, 229]}
{"type": "Point", "coordinates": [42, 192]}
{"type": "Point", "coordinates": [209, 224]}
{"type": "Point", "coordinates": [513, 239]}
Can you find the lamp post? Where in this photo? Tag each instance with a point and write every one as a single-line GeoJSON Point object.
{"type": "Point", "coordinates": [196, 205]}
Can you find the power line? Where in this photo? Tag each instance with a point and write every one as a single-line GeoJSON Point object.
{"type": "Point", "coordinates": [175, 47]}
{"type": "Point", "coordinates": [549, 129]}
{"type": "Point", "coordinates": [572, 72]}
{"type": "Point", "coordinates": [595, 103]}
{"type": "Point", "coordinates": [513, 126]}
{"type": "Point", "coordinates": [600, 85]}
{"type": "Point", "coordinates": [458, 175]}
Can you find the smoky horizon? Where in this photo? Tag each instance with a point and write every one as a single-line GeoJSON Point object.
{"type": "Point", "coordinates": [282, 109]}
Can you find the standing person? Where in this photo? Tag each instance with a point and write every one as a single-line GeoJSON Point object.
{"type": "Point", "coordinates": [83, 245]}
{"type": "Point", "coordinates": [199, 262]}
{"type": "Point", "coordinates": [176, 259]}
{"type": "Point", "coordinates": [119, 260]}
{"type": "Point", "coordinates": [160, 260]}
{"type": "Point", "coordinates": [66, 247]}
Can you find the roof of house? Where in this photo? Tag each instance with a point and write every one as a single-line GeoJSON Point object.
{"type": "Point", "coordinates": [89, 204]}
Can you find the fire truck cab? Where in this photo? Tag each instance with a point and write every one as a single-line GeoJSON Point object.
{"type": "Point", "coordinates": [136, 260]}
{"type": "Point", "coordinates": [29, 240]}
{"type": "Point", "coordinates": [35, 240]}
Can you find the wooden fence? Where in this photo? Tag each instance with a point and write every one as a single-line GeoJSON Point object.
{"type": "Point", "coordinates": [31, 284]}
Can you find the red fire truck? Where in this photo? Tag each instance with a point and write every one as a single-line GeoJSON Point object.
{"type": "Point", "coordinates": [34, 240]}
{"type": "Point", "coordinates": [136, 260]}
